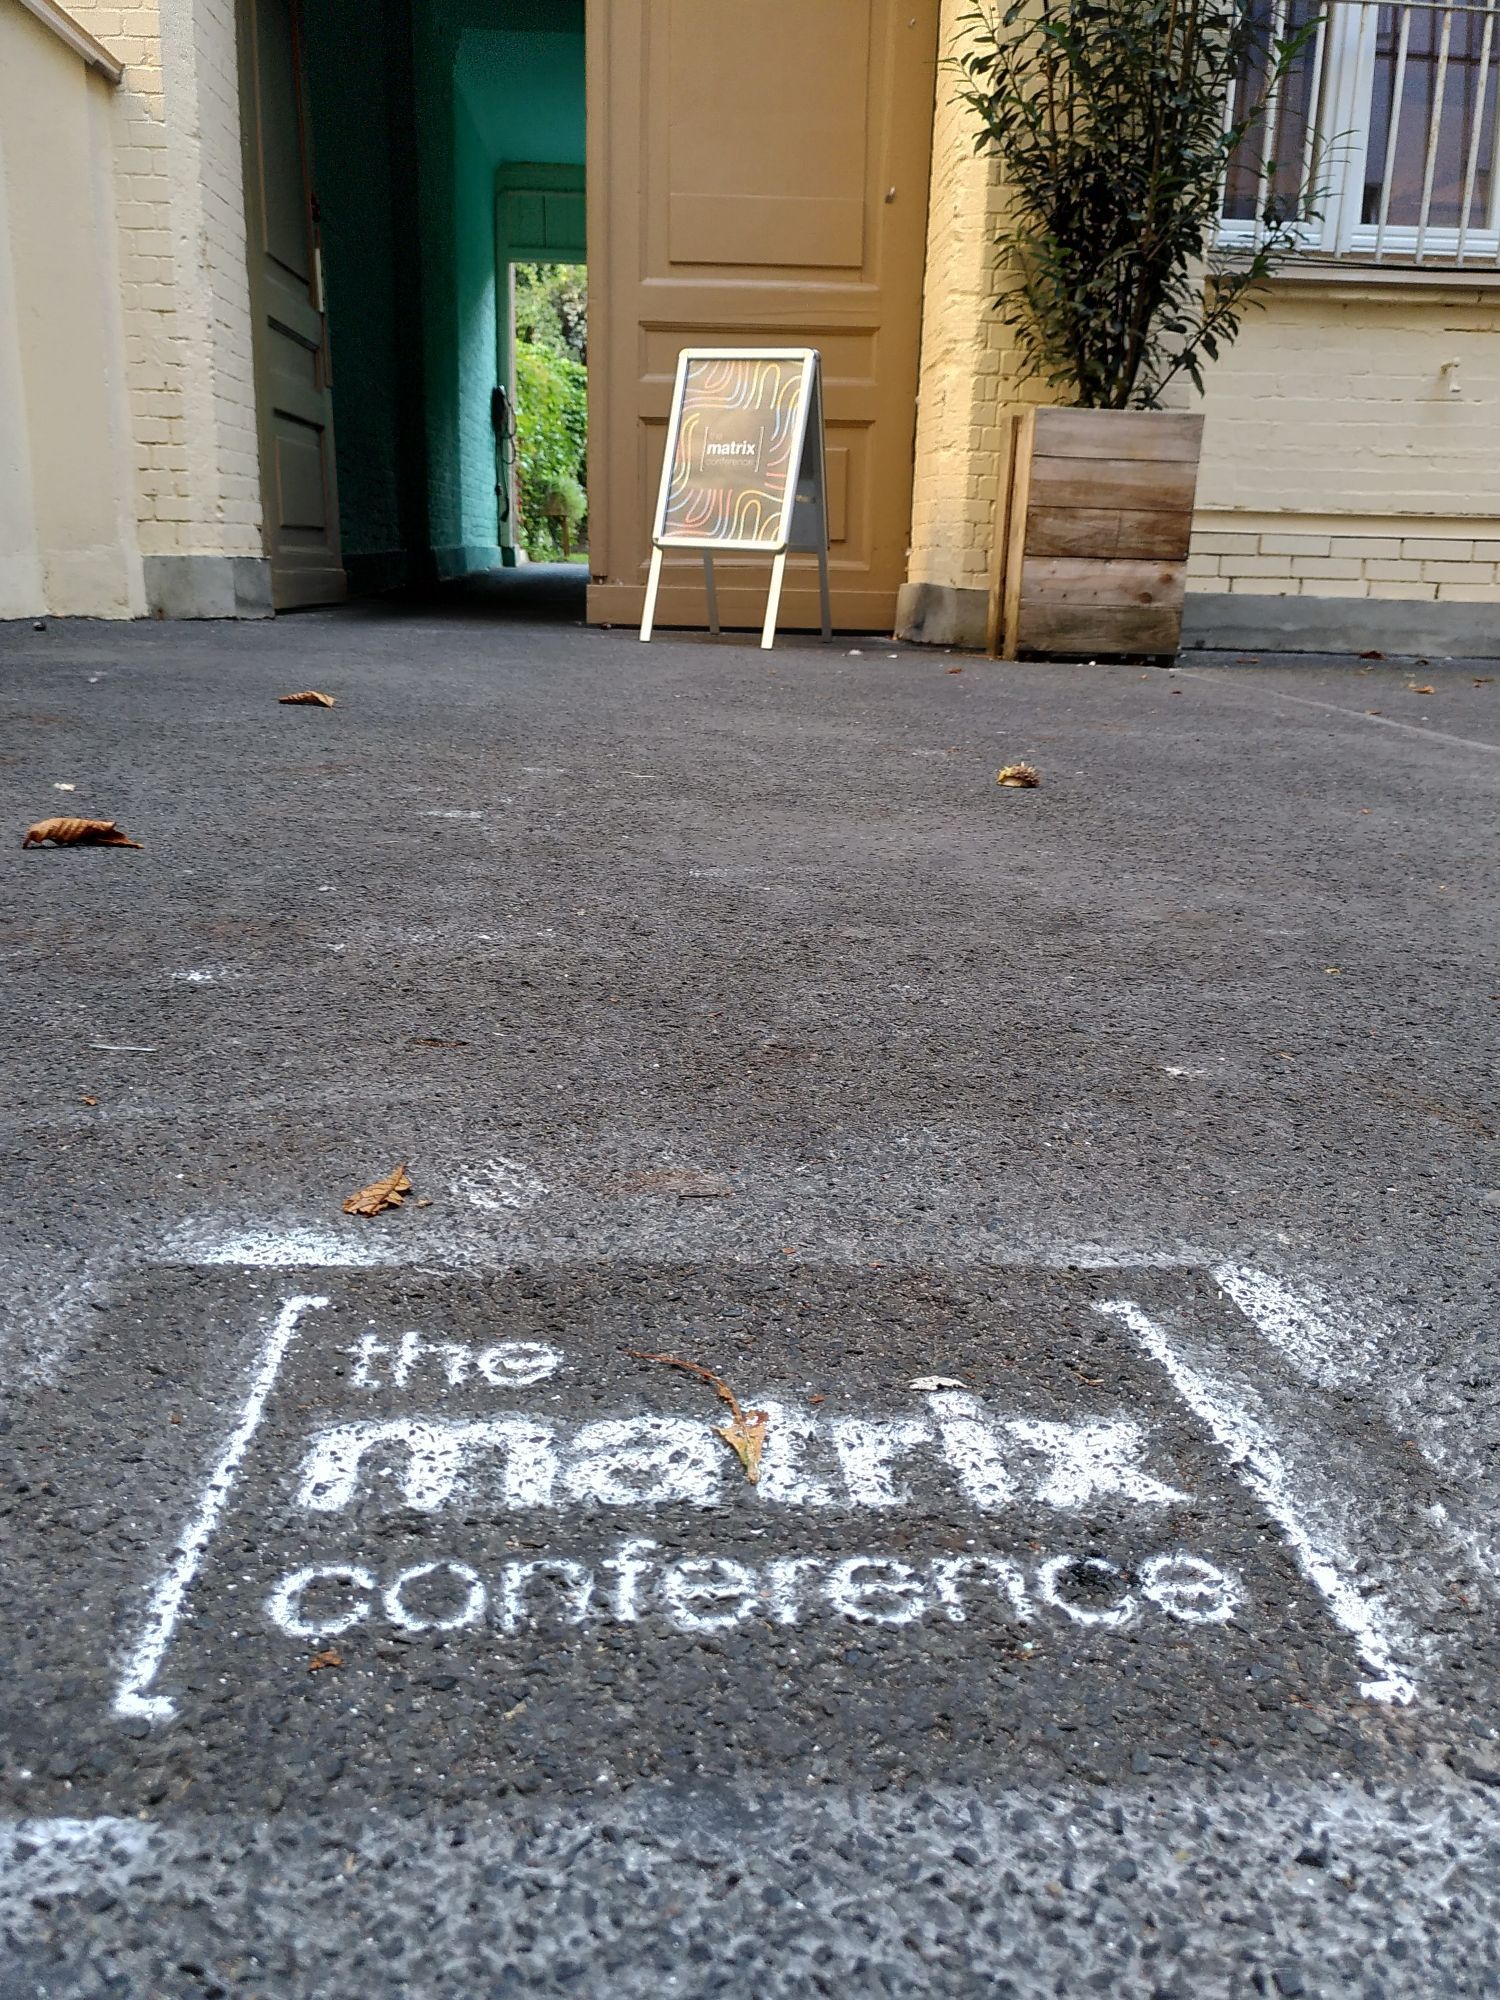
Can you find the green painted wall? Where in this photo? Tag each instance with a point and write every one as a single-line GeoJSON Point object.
{"type": "Point", "coordinates": [475, 279]}
{"type": "Point", "coordinates": [414, 103]}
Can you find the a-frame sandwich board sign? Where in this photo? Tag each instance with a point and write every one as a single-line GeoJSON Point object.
{"type": "Point", "coordinates": [744, 469]}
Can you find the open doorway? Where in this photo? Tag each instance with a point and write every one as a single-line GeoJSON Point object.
{"type": "Point", "coordinates": [426, 121]}
{"type": "Point", "coordinates": [548, 469]}
{"type": "Point", "coordinates": [541, 409]}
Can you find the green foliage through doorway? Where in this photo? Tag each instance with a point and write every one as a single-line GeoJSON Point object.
{"type": "Point", "coordinates": [551, 404]}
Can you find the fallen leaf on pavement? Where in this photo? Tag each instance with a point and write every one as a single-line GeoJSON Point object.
{"type": "Point", "coordinates": [88, 1100]}
{"type": "Point", "coordinates": [382, 1194]}
{"type": "Point", "coordinates": [423, 1201]}
{"type": "Point", "coordinates": [1017, 774]}
{"type": "Point", "coordinates": [329, 1657]}
{"type": "Point", "coordinates": [745, 1433]}
{"type": "Point", "coordinates": [309, 698]}
{"type": "Point", "coordinates": [77, 833]}
{"type": "Point", "coordinates": [955, 670]}
{"type": "Point", "coordinates": [1373, 654]}
{"type": "Point", "coordinates": [925, 1384]}
{"type": "Point", "coordinates": [1414, 688]}
{"type": "Point", "coordinates": [1483, 680]}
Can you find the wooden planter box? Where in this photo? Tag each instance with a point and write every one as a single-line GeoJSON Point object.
{"type": "Point", "coordinates": [1092, 552]}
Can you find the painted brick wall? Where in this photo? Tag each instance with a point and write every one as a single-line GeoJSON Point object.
{"type": "Point", "coordinates": [183, 278]}
{"type": "Point", "coordinates": [1343, 458]}
{"type": "Point", "coordinates": [967, 372]}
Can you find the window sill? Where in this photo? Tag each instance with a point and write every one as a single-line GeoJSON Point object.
{"type": "Point", "coordinates": [1350, 274]}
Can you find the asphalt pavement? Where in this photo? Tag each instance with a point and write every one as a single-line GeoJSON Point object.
{"type": "Point", "coordinates": [1078, 1206]}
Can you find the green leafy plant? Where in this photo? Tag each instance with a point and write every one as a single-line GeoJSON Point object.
{"type": "Point", "coordinates": [1117, 123]}
{"type": "Point", "coordinates": [551, 308]}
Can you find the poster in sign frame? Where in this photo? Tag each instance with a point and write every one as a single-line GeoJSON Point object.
{"type": "Point", "coordinates": [743, 471]}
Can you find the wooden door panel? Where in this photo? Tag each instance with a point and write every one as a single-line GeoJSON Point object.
{"type": "Point", "coordinates": [293, 389]}
{"type": "Point", "coordinates": [758, 176]}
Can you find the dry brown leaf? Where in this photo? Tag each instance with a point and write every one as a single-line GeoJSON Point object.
{"type": "Point", "coordinates": [745, 1433]}
{"type": "Point", "coordinates": [1413, 687]}
{"type": "Point", "coordinates": [1373, 654]}
{"type": "Point", "coordinates": [1483, 680]}
{"type": "Point", "coordinates": [67, 832]}
{"type": "Point", "coordinates": [329, 1657]}
{"type": "Point", "coordinates": [746, 1438]}
{"type": "Point", "coordinates": [955, 670]}
{"type": "Point", "coordinates": [88, 1100]}
{"type": "Point", "coordinates": [382, 1194]}
{"type": "Point", "coordinates": [1017, 774]}
{"type": "Point", "coordinates": [309, 698]}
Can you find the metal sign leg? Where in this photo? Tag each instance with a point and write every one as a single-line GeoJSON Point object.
{"type": "Point", "coordinates": [823, 586]}
{"type": "Point", "coordinates": [713, 595]}
{"type": "Point", "coordinates": [773, 602]}
{"type": "Point", "coordinates": [652, 583]}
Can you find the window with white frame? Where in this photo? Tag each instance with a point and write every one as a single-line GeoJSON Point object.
{"type": "Point", "coordinates": [1383, 133]}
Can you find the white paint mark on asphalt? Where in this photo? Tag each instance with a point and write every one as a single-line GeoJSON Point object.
{"type": "Point", "coordinates": [507, 1364]}
{"type": "Point", "coordinates": [125, 1048]}
{"type": "Point", "coordinates": [1253, 1458]}
{"type": "Point", "coordinates": [1091, 1573]}
{"type": "Point", "coordinates": [267, 1247]}
{"type": "Point", "coordinates": [58, 1857]}
{"type": "Point", "coordinates": [468, 1613]}
{"type": "Point", "coordinates": [1351, 715]}
{"type": "Point", "coordinates": [1092, 1462]}
{"type": "Point", "coordinates": [435, 1455]}
{"type": "Point", "coordinates": [284, 1605]}
{"type": "Point", "coordinates": [501, 1187]}
{"type": "Point", "coordinates": [637, 1460]}
{"type": "Point", "coordinates": [131, 1697]}
{"type": "Point", "coordinates": [199, 976]}
{"type": "Point", "coordinates": [1194, 1075]}
{"type": "Point", "coordinates": [792, 1436]}
{"type": "Point", "coordinates": [645, 1462]}
{"type": "Point", "coordinates": [708, 1593]}
{"type": "Point", "coordinates": [1287, 1321]}
{"type": "Point", "coordinates": [972, 1446]}
{"type": "Point", "coordinates": [449, 812]}
{"type": "Point", "coordinates": [866, 1449]}
{"type": "Point", "coordinates": [1190, 1589]}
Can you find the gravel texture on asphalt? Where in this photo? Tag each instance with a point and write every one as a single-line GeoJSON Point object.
{"type": "Point", "coordinates": [420, 1639]}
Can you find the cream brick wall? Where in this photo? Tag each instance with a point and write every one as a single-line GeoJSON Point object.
{"type": "Point", "coordinates": [967, 381]}
{"type": "Point", "coordinates": [183, 276]}
{"type": "Point", "coordinates": [1341, 458]}
{"type": "Point", "coordinates": [1336, 461]}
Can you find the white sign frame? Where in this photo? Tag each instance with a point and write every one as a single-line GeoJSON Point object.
{"type": "Point", "coordinates": [803, 527]}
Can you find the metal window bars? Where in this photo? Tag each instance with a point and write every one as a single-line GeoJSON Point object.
{"type": "Point", "coordinates": [1386, 133]}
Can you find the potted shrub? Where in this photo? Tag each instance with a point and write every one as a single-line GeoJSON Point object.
{"type": "Point", "coordinates": [1116, 123]}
